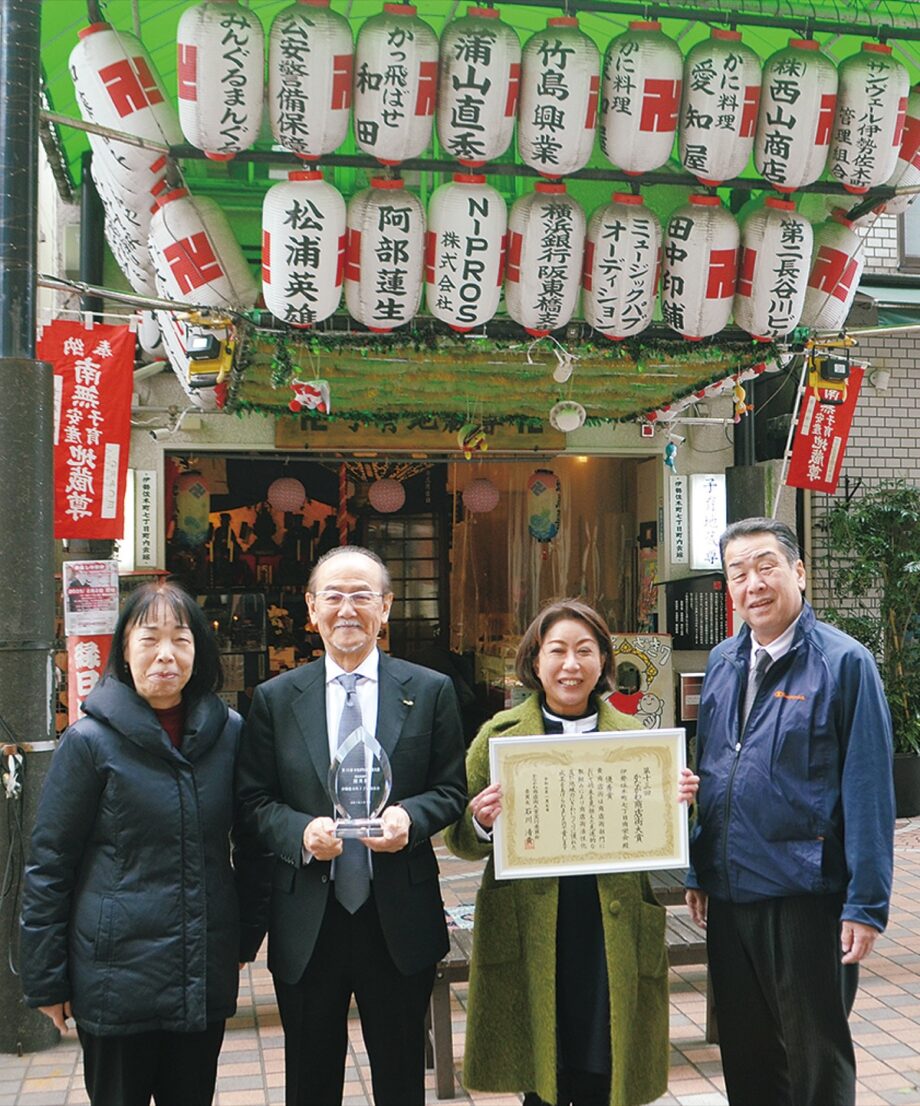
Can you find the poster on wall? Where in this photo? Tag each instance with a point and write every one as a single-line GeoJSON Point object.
{"type": "Point", "coordinates": [643, 679]}
{"type": "Point", "coordinates": [696, 611]}
{"type": "Point", "coordinates": [90, 591]}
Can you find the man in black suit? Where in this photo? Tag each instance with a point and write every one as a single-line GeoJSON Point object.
{"type": "Point", "coordinates": [368, 921]}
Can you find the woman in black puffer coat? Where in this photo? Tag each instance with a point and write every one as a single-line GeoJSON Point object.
{"type": "Point", "coordinates": [131, 919]}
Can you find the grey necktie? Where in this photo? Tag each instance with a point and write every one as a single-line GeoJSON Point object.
{"type": "Point", "coordinates": [352, 875]}
{"type": "Point", "coordinates": [762, 661]}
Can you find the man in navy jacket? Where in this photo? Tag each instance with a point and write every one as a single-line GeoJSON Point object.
{"type": "Point", "coordinates": [791, 857]}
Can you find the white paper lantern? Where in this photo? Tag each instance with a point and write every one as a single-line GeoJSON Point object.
{"type": "Point", "coordinates": [566, 416]}
{"type": "Point", "coordinates": [386, 495]}
{"type": "Point", "coordinates": [127, 227]}
{"type": "Point", "coordinates": [907, 170]}
{"type": "Point", "coordinates": [478, 86]}
{"type": "Point", "coordinates": [286, 494]}
{"type": "Point", "coordinates": [220, 74]}
{"type": "Point", "coordinates": [310, 78]}
{"type": "Point", "coordinates": [128, 172]}
{"type": "Point", "coordinates": [835, 271]}
{"type": "Point", "coordinates": [195, 254]}
{"type": "Point", "coordinates": [797, 101]}
{"type": "Point", "coordinates": [869, 123]}
{"type": "Point", "coordinates": [699, 261]}
{"type": "Point", "coordinates": [622, 256]}
{"type": "Point", "coordinates": [117, 86]}
{"type": "Point", "coordinates": [775, 258]}
{"type": "Point", "coordinates": [480, 496]}
{"type": "Point", "coordinates": [385, 255]}
{"type": "Point", "coordinates": [641, 98]}
{"type": "Point", "coordinates": [718, 115]}
{"type": "Point", "coordinates": [557, 113]}
{"type": "Point", "coordinates": [465, 251]}
{"type": "Point", "coordinates": [546, 241]}
{"type": "Point", "coordinates": [396, 78]}
{"type": "Point", "coordinates": [303, 249]}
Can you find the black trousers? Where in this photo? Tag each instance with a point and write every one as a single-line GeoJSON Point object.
{"type": "Point", "coordinates": [782, 1000]}
{"type": "Point", "coordinates": [351, 958]}
{"type": "Point", "coordinates": [176, 1069]}
{"type": "Point", "coordinates": [576, 1088]}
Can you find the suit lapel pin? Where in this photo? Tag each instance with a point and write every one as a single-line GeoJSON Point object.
{"type": "Point", "coordinates": [408, 702]}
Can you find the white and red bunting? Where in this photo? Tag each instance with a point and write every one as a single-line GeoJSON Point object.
{"type": "Point", "coordinates": [310, 78]}
{"type": "Point", "coordinates": [478, 87]}
{"type": "Point", "coordinates": [557, 114]}
{"type": "Point", "coordinates": [836, 267]}
{"type": "Point", "coordinates": [699, 259]}
{"type": "Point", "coordinates": [774, 262]}
{"type": "Point", "coordinates": [622, 258]}
{"type": "Point", "coordinates": [465, 251]}
{"type": "Point", "coordinates": [396, 80]}
{"type": "Point", "coordinates": [907, 170]}
{"type": "Point", "coordinates": [303, 248]}
{"type": "Point", "coordinates": [117, 86]}
{"type": "Point", "coordinates": [797, 101]}
{"type": "Point", "coordinates": [869, 121]}
{"type": "Point", "coordinates": [127, 227]}
{"type": "Point", "coordinates": [546, 243]}
{"type": "Point", "coordinates": [196, 257]}
{"type": "Point", "coordinates": [640, 99]}
{"type": "Point", "coordinates": [220, 76]}
{"type": "Point", "coordinates": [385, 255]}
{"type": "Point", "coordinates": [718, 115]}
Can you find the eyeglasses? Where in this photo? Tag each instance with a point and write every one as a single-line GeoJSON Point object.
{"type": "Point", "coordinates": [358, 599]}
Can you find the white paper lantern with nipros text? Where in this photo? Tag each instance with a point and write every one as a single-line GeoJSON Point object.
{"type": "Point", "coordinates": [557, 113]}
{"type": "Point", "coordinates": [396, 79]}
{"type": "Point", "coordinates": [303, 249]}
{"type": "Point", "coordinates": [699, 258]}
{"type": "Point", "coordinates": [385, 255]}
{"type": "Point", "coordinates": [195, 254]}
{"type": "Point", "coordinates": [798, 96]}
{"type": "Point", "coordinates": [869, 121]}
{"type": "Point", "coordinates": [622, 256]}
{"type": "Point", "coordinates": [640, 99]}
{"type": "Point", "coordinates": [465, 251]}
{"type": "Point", "coordinates": [907, 170]}
{"type": "Point", "coordinates": [117, 86]}
{"type": "Point", "coordinates": [836, 267]}
{"type": "Point", "coordinates": [220, 76]}
{"type": "Point", "coordinates": [774, 263]}
{"type": "Point", "coordinates": [718, 115]}
{"type": "Point", "coordinates": [478, 86]}
{"type": "Point", "coordinates": [311, 57]}
{"type": "Point", "coordinates": [546, 241]}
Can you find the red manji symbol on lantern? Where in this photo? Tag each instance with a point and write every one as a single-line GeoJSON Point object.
{"type": "Point", "coordinates": [427, 88]}
{"type": "Point", "coordinates": [192, 262]}
{"type": "Point", "coordinates": [659, 105]}
{"type": "Point", "coordinates": [722, 270]}
{"type": "Point", "coordinates": [833, 272]}
{"type": "Point", "coordinates": [187, 71]}
{"type": "Point", "coordinates": [266, 257]}
{"type": "Point", "coordinates": [514, 89]}
{"type": "Point", "coordinates": [749, 111]}
{"type": "Point", "coordinates": [593, 97]}
{"type": "Point", "coordinates": [130, 85]}
{"type": "Point", "coordinates": [826, 119]}
{"type": "Point", "coordinates": [342, 81]}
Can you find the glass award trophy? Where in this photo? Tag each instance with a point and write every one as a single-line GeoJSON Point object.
{"type": "Point", "coordinates": [360, 781]}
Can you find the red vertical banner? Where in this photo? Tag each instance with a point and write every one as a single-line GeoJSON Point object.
{"type": "Point", "coordinates": [93, 377]}
{"type": "Point", "coordinates": [820, 440]}
{"type": "Point", "coordinates": [86, 659]}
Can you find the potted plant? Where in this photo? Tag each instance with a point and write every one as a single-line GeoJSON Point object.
{"type": "Point", "coordinates": [874, 555]}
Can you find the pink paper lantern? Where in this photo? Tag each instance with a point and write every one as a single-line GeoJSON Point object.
{"type": "Point", "coordinates": [480, 496]}
{"type": "Point", "coordinates": [387, 495]}
{"type": "Point", "coordinates": [286, 494]}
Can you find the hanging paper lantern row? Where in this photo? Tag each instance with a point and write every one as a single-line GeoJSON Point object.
{"type": "Point", "coordinates": [220, 72]}
{"type": "Point", "coordinates": [835, 272]}
{"type": "Point", "coordinates": [559, 92]}
{"type": "Point", "coordinates": [798, 97]}
{"type": "Point", "coordinates": [869, 123]}
{"type": "Point", "coordinates": [700, 240]}
{"type": "Point", "coordinates": [776, 245]}
{"type": "Point", "coordinates": [480, 496]}
{"type": "Point", "coordinates": [303, 249]}
{"type": "Point", "coordinates": [385, 255]}
{"type": "Point", "coordinates": [310, 78]}
{"type": "Point", "coordinates": [386, 495]}
{"type": "Point", "coordinates": [479, 84]}
{"type": "Point", "coordinates": [620, 281]}
{"type": "Point", "coordinates": [719, 111]}
{"type": "Point", "coordinates": [907, 170]}
{"type": "Point", "coordinates": [286, 494]}
{"type": "Point", "coordinates": [465, 252]}
{"type": "Point", "coordinates": [641, 98]}
{"type": "Point", "coordinates": [396, 75]}
{"type": "Point", "coordinates": [546, 239]}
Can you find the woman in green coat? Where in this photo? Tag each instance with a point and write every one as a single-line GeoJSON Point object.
{"type": "Point", "coordinates": [568, 998]}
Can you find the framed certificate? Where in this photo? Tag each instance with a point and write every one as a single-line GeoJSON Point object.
{"type": "Point", "coordinates": [594, 802]}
